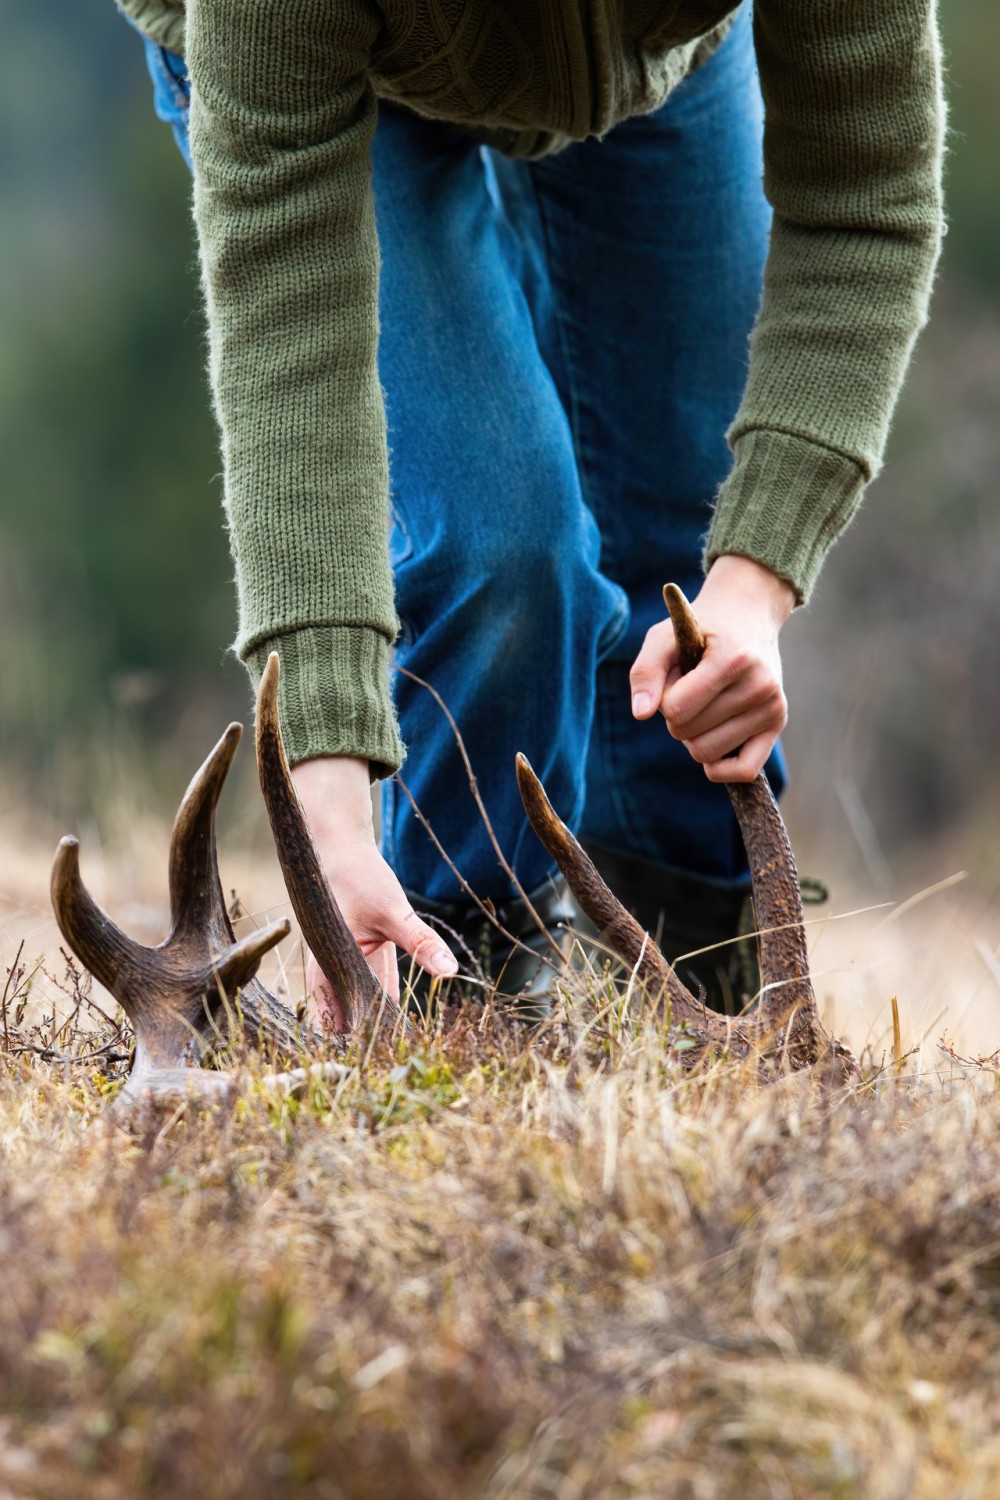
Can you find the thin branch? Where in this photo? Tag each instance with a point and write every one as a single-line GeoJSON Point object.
{"type": "Point", "coordinates": [477, 798]}
{"type": "Point", "coordinates": [484, 906]}
{"type": "Point", "coordinates": [6, 990]}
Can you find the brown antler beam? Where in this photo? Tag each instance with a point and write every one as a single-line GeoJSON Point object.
{"type": "Point", "coordinates": [784, 1030]}
{"type": "Point", "coordinates": [615, 924]}
{"type": "Point", "coordinates": [784, 957]}
{"type": "Point", "coordinates": [329, 938]}
{"type": "Point", "coordinates": [177, 994]}
{"type": "Point", "coordinates": [197, 904]}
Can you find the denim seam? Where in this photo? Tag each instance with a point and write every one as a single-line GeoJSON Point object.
{"type": "Point", "coordinates": [582, 448]}
{"type": "Point", "coordinates": [569, 363]}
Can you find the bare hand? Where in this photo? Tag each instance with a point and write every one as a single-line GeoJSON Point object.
{"type": "Point", "coordinates": [733, 700]}
{"type": "Point", "coordinates": [334, 792]}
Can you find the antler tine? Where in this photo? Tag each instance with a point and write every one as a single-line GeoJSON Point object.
{"type": "Point", "coordinates": [323, 927]}
{"type": "Point", "coordinates": [197, 906]}
{"type": "Point", "coordinates": [784, 959]}
{"type": "Point", "coordinates": [598, 902]}
{"type": "Point", "coordinates": [687, 631]}
{"type": "Point", "coordinates": [237, 966]}
{"type": "Point", "coordinates": [173, 1018]}
{"type": "Point", "coordinates": [114, 959]}
{"type": "Point", "coordinates": [167, 994]}
{"type": "Point", "coordinates": [199, 920]}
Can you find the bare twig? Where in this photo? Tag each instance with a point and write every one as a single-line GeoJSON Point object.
{"type": "Point", "coordinates": [484, 906]}
{"type": "Point", "coordinates": [11, 972]}
{"type": "Point", "coordinates": [477, 798]}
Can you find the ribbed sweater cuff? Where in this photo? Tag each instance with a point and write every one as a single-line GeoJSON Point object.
{"type": "Point", "coordinates": [161, 24]}
{"type": "Point", "coordinates": [334, 694]}
{"type": "Point", "coordinates": [784, 504]}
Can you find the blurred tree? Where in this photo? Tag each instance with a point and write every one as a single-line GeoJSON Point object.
{"type": "Point", "coordinates": [971, 34]}
{"type": "Point", "coordinates": [114, 571]}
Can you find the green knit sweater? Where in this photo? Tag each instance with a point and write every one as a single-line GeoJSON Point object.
{"type": "Point", "coordinates": [283, 108]}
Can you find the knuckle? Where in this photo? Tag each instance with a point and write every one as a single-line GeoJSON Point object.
{"type": "Point", "coordinates": [763, 687]}
{"type": "Point", "coordinates": [767, 697]}
{"type": "Point", "coordinates": [760, 684]}
{"type": "Point", "coordinates": [675, 708]}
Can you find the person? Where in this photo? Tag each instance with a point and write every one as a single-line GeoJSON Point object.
{"type": "Point", "coordinates": [523, 245]}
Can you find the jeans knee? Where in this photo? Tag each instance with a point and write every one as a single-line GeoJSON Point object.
{"type": "Point", "coordinates": [534, 586]}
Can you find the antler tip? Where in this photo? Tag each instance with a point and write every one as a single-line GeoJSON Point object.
{"type": "Point", "coordinates": [267, 693]}
{"type": "Point", "coordinates": [528, 783]}
{"type": "Point", "coordinates": [65, 868]}
{"type": "Point", "coordinates": [541, 814]}
{"type": "Point", "coordinates": [271, 672]}
{"type": "Point", "coordinates": [690, 641]}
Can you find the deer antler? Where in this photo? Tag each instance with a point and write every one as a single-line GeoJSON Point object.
{"type": "Point", "coordinates": [323, 927]}
{"type": "Point", "coordinates": [784, 1031]}
{"type": "Point", "coordinates": [173, 993]}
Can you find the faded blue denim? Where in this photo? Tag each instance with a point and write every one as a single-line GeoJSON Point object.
{"type": "Point", "coordinates": [563, 346]}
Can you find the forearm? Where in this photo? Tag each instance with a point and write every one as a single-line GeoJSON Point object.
{"type": "Point", "coordinates": [853, 154]}
{"type": "Point", "coordinates": [282, 118]}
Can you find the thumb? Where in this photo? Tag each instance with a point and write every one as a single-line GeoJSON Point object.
{"type": "Point", "coordinates": [327, 1004]}
{"type": "Point", "coordinates": [651, 670]}
{"type": "Point", "coordinates": [381, 960]}
{"type": "Point", "coordinates": [423, 944]}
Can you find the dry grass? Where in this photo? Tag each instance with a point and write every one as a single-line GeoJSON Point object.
{"type": "Point", "coordinates": [483, 1268]}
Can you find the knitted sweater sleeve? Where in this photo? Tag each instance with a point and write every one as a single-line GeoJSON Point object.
{"type": "Point", "coordinates": [853, 130]}
{"type": "Point", "coordinates": [281, 125]}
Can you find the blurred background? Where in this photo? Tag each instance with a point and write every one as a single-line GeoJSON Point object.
{"type": "Point", "coordinates": [116, 602]}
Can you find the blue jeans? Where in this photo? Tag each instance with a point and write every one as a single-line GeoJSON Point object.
{"type": "Point", "coordinates": [171, 91]}
{"type": "Point", "coordinates": [563, 345]}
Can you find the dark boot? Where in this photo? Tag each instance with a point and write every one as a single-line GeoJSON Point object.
{"type": "Point", "coordinates": [523, 975]}
{"type": "Point", "coordinates": [683, 913]}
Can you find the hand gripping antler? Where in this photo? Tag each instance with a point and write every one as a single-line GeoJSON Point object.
{"type": "Point", "coordinates": [343, 964]}
{"type": "Point", "coordinates": [175, 994]}
{"type": "Point", "coordinates": [784, 1030]}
